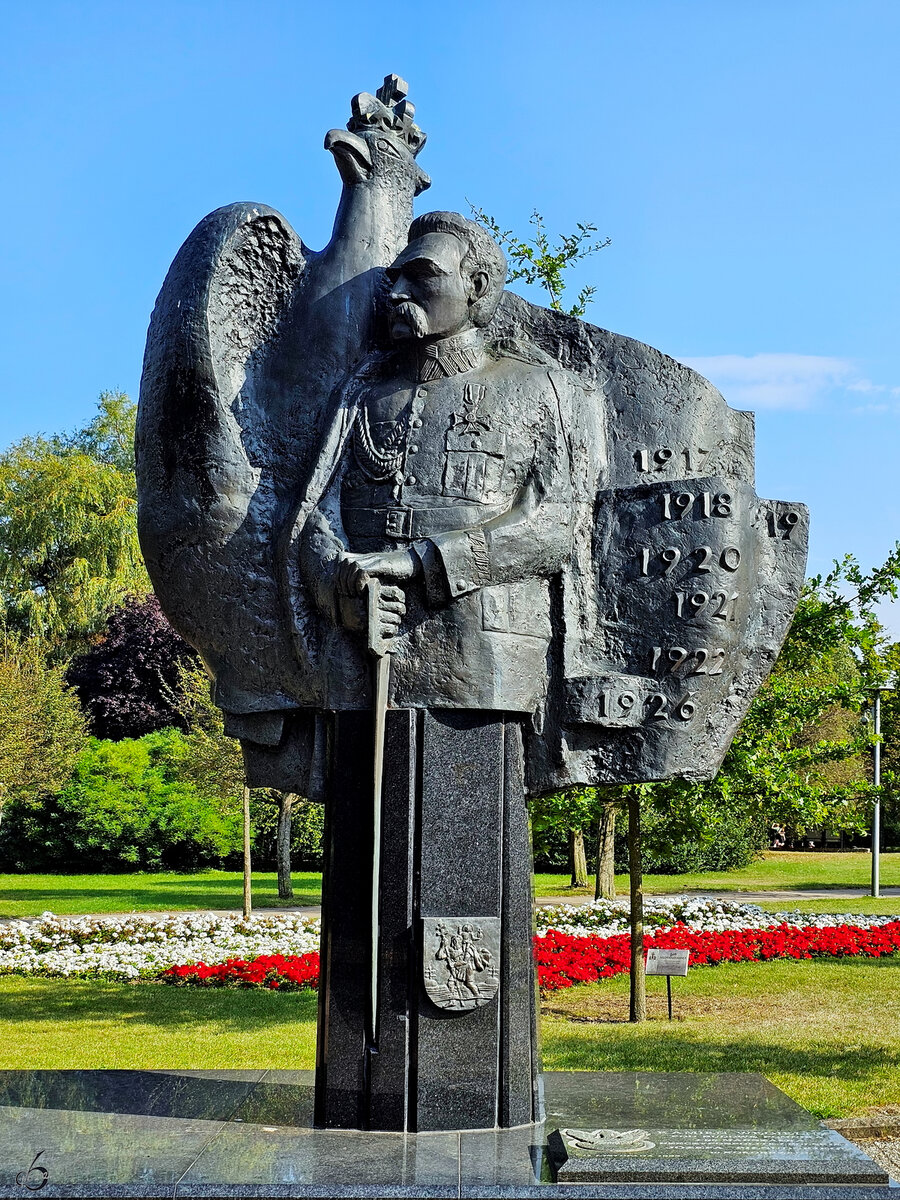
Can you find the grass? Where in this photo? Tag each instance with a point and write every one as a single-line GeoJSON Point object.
{"type": "Point", "coordinates": [823, 1031]}
{"type": "Point", "coordinates": [30, 895]}
{"type": "Point", "coordinates": [826, 1032]}
{"type": "Point", "coordinates": [885, 906]}
{"type": "Point", "coordinates": [88, 1025]}
{"type": "Point", "coordinates": [776, 870]}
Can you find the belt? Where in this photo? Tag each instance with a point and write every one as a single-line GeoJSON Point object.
{"type": "Point", "coordinates": [409, 524]}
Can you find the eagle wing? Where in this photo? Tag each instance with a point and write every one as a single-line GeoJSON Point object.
{"type": "Point", "coordinates": [211, 452]}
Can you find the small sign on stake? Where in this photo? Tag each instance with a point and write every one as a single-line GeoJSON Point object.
{"type": "Point", "coordinates": [668, 963]}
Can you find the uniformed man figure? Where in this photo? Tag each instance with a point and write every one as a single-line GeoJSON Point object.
{"type": "Point", "coordinates": [446, 476]}
{"type": "Point", "coordinates": [453, 488]}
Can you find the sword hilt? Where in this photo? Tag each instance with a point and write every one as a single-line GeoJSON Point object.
{"type": "Point", "coordinates": [378, 646]}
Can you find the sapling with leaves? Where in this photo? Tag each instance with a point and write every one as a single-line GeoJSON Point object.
{"type": "Point", "coordinates": [540, 262]}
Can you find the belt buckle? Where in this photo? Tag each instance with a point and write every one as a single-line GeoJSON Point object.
{"type": "Point", "coordinates": [398, 523]}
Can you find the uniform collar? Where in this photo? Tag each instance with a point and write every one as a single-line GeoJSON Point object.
{"type": "Point", "coordinates": [452, 356]}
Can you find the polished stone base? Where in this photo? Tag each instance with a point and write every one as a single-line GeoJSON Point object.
{"type": "Point", "coordinates": [210, 1134]}
{"type": "Point", "coordinates": [455, 854]}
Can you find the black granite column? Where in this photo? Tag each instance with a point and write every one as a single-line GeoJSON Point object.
{"type": "Point", "coordinates": [455, 845]}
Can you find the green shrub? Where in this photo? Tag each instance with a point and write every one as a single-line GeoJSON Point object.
{"type": "Point", "coordinates": [126, 806]}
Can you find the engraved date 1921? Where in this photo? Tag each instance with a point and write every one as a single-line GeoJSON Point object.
{"type": "Point", "coordinates": [721, 606]}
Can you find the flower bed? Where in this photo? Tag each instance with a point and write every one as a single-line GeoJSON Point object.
{"type": "Point", "coordinates": [280, 951]}
{"type": "Point", "coordinates": [564, 959]}
{"type": "Point", "coordinates": [142, 947]}
{"type": "Point", "coordinates": [284, 973]}
{"type": "Point", "coordinates": [605, 918]}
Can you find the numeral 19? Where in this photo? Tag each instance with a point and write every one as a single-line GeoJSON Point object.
{"type": "Point", "coordinates": [782, 526]}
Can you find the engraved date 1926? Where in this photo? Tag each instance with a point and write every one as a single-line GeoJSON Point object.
{"type": "Point", "coordinates": [619, 706]}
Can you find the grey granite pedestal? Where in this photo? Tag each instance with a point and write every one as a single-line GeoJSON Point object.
{"type": "Point", "coordinates": [455, 855]}
{"type": "Point", "coordinates": [211, 1134]}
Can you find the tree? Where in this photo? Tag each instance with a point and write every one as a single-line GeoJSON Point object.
{"type": "Point", "coordinates": [68, 537]}
{"type": "Point", "coordinates": [41, 725]}
{"type": "Point", "coordinates": [537, 262]}
{"type": "Point", "coordinates": [109, 437]}
{"type": "Point", "coordinates": [127, 804]}
{"type": "Point", "coordinates": [219, 766]}
{"type": "Point", "coordinates": [130, 681]}
{"type": "Point", "coordinates": [577, 810]}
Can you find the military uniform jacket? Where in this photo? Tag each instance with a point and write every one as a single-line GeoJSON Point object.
{"type": "Point", "coordinates": [459, 453]}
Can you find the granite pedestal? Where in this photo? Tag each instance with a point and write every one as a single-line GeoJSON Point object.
{"type": "Point", "coordinates": [211, 1134]}
{"type": "Point", "coordinates": [455, 850]}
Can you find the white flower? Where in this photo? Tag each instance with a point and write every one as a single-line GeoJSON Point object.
{"type": "Point", "coordinates": [133, 947]}
{"type": "Point", "coordinates": [604, 918]}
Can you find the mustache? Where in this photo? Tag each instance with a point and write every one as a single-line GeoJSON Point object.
{"type": "Point", "coordinates": [412, 315]}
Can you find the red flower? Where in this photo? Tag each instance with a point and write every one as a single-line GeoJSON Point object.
{"type": "Point", "coordinates": [563, 960]}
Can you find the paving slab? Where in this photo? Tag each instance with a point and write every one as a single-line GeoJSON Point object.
{"type": "Point", "coordinates": [202, 1135]}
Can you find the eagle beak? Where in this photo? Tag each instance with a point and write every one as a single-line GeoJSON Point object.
{"type": "Point", "coordinates": [352, 155]}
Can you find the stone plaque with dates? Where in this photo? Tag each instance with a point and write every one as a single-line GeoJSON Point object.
{"type": "Point", "coordinates": [441, 550]}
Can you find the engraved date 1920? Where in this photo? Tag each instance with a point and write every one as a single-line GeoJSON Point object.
{"type": "Point", "coordinates": [702, 559]}
{"type": "Point", "coordinates": [700, 661]}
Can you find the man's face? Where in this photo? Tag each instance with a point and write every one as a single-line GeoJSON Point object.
{"type": "Point", "coordinates": [429, 295]}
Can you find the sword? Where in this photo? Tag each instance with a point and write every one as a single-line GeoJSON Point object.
{"type": "Point", "coordinates": [380, 649]}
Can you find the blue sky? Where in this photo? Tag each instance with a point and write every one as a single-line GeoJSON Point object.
{"type": "Point", "coordinates": [741, 156]}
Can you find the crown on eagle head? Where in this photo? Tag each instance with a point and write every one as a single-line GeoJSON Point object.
{"type": "Point", "coordinates": [388, 109]}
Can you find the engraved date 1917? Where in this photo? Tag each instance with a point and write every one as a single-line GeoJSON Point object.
{"type": "Point", "coordinates": [691, 458]}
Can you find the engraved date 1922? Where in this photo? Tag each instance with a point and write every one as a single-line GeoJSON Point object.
{"type": "Point", "coordinates": [702, 660]}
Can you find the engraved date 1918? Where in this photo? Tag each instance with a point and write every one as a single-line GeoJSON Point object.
{"type": "Point", "coordinates": [676, 505]}
{"type": "Point", "coordinates": [700, 661]}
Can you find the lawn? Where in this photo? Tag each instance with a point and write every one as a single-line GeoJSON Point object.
{"type": "Point", "coordinates": [30, 895]}
{"type": "Point", "coordinates": [776, 870]}
{"type": "Point", "coordinates": [824, 1031]}
{"type": "Point", "coordinates": [67, 1023]}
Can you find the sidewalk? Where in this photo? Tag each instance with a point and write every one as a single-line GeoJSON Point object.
{"type": "Point", "coordinates": [786, 897]}
{"type": "Point", "coordinates": [787, 894]}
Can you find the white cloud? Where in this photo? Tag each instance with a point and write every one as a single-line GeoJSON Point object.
{"type": "Point", "coordinates": [794, 381]}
